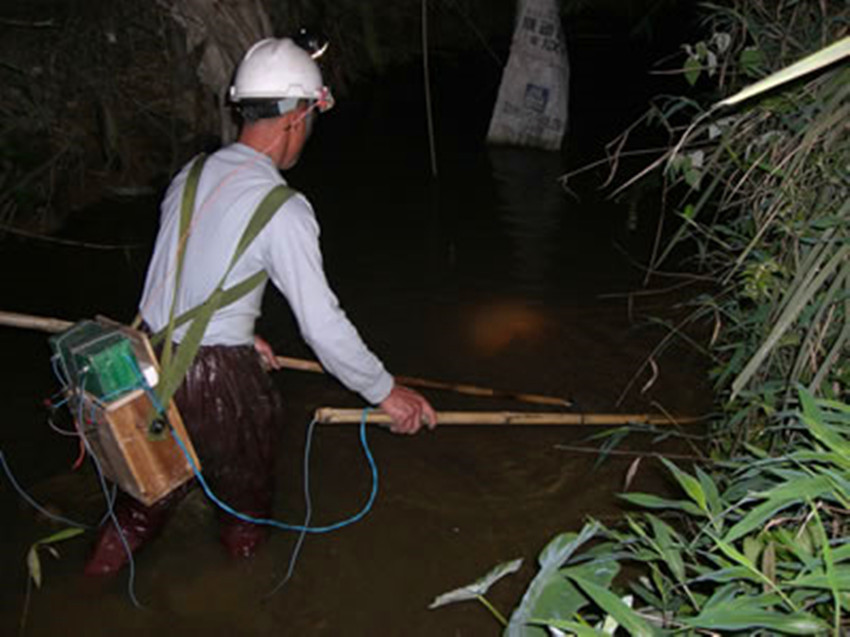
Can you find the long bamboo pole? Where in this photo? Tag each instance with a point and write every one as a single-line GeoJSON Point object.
{"type": "Point", "coordinates": [45, 324]}
{"type": "Point", "coordinates": [336, 416]}
{"type": "Point", "coordinates": [459, 388]}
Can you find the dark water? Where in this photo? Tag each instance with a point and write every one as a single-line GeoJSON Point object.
{"type": "Point", "coordinates": [489, 274]}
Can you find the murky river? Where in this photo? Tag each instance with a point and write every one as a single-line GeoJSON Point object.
{"type": "Point", "coordinates": [489, 274]}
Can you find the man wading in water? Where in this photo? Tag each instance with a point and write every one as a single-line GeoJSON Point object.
{"type": "Point", "coordinates": [230, 407]}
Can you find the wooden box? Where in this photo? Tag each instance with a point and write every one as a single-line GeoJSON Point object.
{"type": "Point", "coordinates": [145, 461]}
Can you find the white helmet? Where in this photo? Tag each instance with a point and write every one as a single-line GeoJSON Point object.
{"type": "Point", "coordinates": [275, 69]}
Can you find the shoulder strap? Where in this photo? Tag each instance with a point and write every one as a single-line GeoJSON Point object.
{"type": "Point", "coordinates": [171, 375]}
{"type": "Point", "coordinates": [272, 202]}
{"type": "Point", "coordinates": [187, 209]}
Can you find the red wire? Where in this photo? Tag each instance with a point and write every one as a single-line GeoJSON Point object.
{"type": "Point", "coordinates": [79, 461]}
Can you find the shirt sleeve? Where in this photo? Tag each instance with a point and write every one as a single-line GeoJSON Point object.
{"type": "Point", "coordinates": [293, 253]}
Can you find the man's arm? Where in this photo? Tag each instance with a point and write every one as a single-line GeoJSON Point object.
{"type": "Point", "coordinates": [298, 273]}
{"type": "Point", "coordinates": [407, 407]}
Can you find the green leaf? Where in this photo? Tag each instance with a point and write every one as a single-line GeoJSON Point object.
{"type": "Point", "coordinates": [790, 542]}
{"type": "Point", "coordinates": [778, 498]}
{"type": "Point", "coordinates": [752, 548]}
{"type": "Point", "coordinates": [64, 534]}
{"type": "Point", "coordinates": [712, 497]}
{"type": "Point", "coordinates": [815, 420]}
{"type": "Point", "coordinates": [654, 502]}
{"type": "Point", "coordinates": [550, 594]}
{"type": "Point", "coordinates": [720, 597]}
{"type": "Point", "coordinates": [831, 570]}
{"type": "Point", "coordinates": [745, 615]}
{"type": "Point", "coordinates": [580, 630]}
{"type": "Point", "coordinates": [752, 61]}
{"type": "Point", "coordinates": [669, 552]}
{"type": "Point", "coordinates": [734, 554]}
{"type": "Point", "coordinates": [692, 69]}
{"type": "Point", "coordinates": [600, 571]}
{"type": "Point", "coordinates": [615, 607]}
{"type": "Point", "coordinates": [34, 565]}
{"type": "Point", "coordinates": [821, 580]}
{"type": "Point", "coordinates": [693, 177]}
{"type": "Point", "coordinates": [33, 559]}
{"type": "Point", "coordinates": [690, 484]}
{"type": "Point", "coordinates": [841, 553]}
{"type": "Point", "coordinates": [479, 587]}
{"type": "Point", "coordinates": [728, 574]}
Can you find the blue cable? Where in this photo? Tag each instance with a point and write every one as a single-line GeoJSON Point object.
{"type": "Point", "coordinates": [110, 513]}
{"type": "Point", "coordinates": [269, 522]}
{"type": "Point", "coordinates": [294, 527]}
{"type": "Point", "coordinates": [110, 508]}
{"type": "Point", "coordinates": [32, 502]}
{"type": "Point", "coordinates": [308, 514]}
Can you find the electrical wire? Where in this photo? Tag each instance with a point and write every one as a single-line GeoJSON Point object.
{"type": "Point", "coordinates": [303, 528]}
{"type": "Point", "coordinates": [29, 500]}
{"type": "Point", "coordinates": [110, 515]}
{"type": "Point", "coordinates": [308, 505]}
{"type": "Point", "coordinates": [267, 521]}
{"type": "Point", "coordinates": [282, 525]}
{"type": "Point", "coordinates": [110, 502]}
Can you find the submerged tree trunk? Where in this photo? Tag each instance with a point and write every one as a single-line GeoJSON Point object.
{"type": "Point", "coordinates": [217, 34]}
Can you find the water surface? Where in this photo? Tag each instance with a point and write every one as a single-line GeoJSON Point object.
{"type": "Point", "coordinates": [490, 274]}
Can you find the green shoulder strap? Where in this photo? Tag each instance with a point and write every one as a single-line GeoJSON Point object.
{"type": "Point", "coordinates": [171, 374]}
{"type": "Point", "coordinates": [187, 208]}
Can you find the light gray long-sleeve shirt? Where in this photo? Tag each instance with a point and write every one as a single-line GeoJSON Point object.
{"type": "Point", "coordinates": [234, 181]}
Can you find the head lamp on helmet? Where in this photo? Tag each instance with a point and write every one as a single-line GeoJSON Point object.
{"type": "Point", "coordinates": [281, 72]}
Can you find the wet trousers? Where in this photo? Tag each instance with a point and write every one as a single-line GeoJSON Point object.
{"type": "Point", "coordinates": [231, 410]}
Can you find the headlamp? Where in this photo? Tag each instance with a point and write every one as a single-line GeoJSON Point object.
{"type": "Point", "coordinates": [326, 100]}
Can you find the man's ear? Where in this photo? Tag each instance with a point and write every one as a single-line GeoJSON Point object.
{"type": "Point", "coordinates": [286, 121]}
{"type": "Point", "coordinates": [292, 118]}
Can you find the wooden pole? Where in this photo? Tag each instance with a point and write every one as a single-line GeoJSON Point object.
{"type": "Point", "coordinates": [27, 321]}
{"type": "Point", "coordinates": [335, 416]}
{"type": "Point", "coordinates": [45, 324]}
{"type": "Point", "coordinates": [412, 381]}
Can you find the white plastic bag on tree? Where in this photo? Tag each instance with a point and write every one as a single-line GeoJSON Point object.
{"type": "Point", "coordinates": [531, 109]}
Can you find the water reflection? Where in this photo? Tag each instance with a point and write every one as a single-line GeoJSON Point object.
{"type": "Point", "coordinates": [531, 206]}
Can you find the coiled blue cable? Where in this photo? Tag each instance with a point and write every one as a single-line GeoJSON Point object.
{"type": "Point", "coordinates": [266, 521]}
{"type": "Point", "coordinates": [282, 525]}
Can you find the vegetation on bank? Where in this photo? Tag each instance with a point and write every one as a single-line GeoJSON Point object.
{"type": "Point", "coordinates": [758, 544]}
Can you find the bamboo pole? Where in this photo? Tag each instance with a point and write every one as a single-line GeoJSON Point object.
{"type": "Point", "coordinates": [459, 388]}
{"type": "Point", "coordinates": [27, 321]}
{"type": "Point", "coordinates": [336, 416]}
{"type": "Point", "coordinates": [45, 324]}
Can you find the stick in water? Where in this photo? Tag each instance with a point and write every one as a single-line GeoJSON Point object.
{"type": "Point", "coordinates": [412, 381]}
{"type": "Point", "coordinates": [334, 416]}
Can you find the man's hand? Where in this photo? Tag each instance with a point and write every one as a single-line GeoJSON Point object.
{"type": "Point", "coordinates": [267, 356]}
{"type": "Point", "coordinates": [409, 410]}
